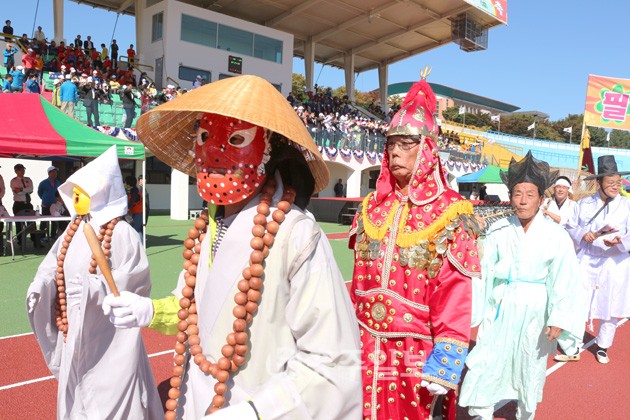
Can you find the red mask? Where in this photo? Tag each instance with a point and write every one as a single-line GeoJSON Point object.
{"type": "Point", "coordinates": [230, 157]}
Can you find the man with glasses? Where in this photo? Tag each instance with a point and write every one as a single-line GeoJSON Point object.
{"type": "Point", "coordinates": [415, 255]}
{"type": "Point", "coordinates": [600, 228]}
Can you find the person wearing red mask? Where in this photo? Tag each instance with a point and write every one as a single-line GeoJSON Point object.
{"type": "Point", "coordinates": [288, 349]}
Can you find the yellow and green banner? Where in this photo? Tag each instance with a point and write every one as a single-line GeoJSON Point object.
{"type": "Point", "coordinates": [607, 101]}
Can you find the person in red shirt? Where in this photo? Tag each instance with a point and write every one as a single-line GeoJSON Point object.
{"type": "Point", "coordinates": [28, 62]}
{"type": "Point", "coordinates": [131, 54]}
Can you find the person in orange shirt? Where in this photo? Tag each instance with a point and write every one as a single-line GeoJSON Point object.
{"type": "Point", "coordinates": [131, 54]}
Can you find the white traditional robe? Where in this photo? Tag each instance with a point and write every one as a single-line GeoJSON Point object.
{"type": "Point", "coordinates": [103, 372]}
{"type": "Point", "coordinates": [606, 270]}
{"type": "Point", "coordinates": [304, 358]}
{"type": "Point", "coordinates": [565, 211]}
{"type": "Point", "coordinates": [529, 281]}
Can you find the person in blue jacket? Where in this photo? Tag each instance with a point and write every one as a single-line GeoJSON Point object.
{"type": "Point", "coordinates": [32, 86]}
{"type": "Point", "coordinates": [69, 96]}
{"type": "Point", "coordinates": [18, 78]}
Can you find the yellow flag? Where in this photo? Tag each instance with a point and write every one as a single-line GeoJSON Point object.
{"type": "Point", "coordinates": [586, 156]}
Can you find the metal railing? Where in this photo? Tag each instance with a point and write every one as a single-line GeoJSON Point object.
{"type": "Point", "coordinates": [368, 141]}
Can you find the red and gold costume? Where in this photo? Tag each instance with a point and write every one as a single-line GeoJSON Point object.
{"type": "Point", "coordinates": [415, 255]}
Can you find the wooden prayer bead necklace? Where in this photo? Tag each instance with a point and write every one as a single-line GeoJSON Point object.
{"type": "Point", "coordinates": [247, 299]}
{"type": "Point", "coordinates": [104, 235]}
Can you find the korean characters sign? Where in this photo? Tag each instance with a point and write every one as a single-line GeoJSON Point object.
{"type": "Point", "coordinates": [607, 101]}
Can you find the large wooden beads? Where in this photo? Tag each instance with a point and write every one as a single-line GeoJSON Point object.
{"type": "Point", "coordinates": [247, 299]}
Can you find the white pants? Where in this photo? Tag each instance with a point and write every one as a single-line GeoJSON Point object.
{"type": "Point", "coordinates": [606, 333]}
{"type": "Point", "coordinates": [487, 413]}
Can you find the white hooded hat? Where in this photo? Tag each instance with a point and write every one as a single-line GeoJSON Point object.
{"type": "Point", "coordinates": [102, 180]}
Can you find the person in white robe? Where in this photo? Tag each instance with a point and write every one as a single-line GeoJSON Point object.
{"type": "Point", "coordinates": [559, 208]}
{"type": "Point", "coordinates": [600, 228]}
{"type": "Point", "coordinates": [304, 357]}
{"type": "Point", "coordinates": [526, 302]}
{"type": "Point", "coordinates": [102, 372]}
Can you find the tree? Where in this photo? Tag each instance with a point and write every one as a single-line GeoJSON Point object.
{"type": "Point", "coordinates": [298, 83]}
{"type": "Point", "coordinates": [481, 120]}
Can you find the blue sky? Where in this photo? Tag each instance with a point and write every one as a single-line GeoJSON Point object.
{"type": "Point", "coordinates": [539, 61]}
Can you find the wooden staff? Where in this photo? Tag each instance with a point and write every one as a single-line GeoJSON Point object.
{"type": "Point", "coordinates": [99, 256]}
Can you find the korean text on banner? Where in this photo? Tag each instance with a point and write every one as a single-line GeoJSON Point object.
{"type": "Point", "coordinates": [607, 103]}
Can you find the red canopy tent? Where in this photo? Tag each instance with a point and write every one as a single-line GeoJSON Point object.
{"type": "Point", "coordinates": [32, 127]}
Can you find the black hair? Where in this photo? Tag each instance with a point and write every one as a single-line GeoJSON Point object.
{"type": "Point", "coordinates": [294, 170]}
{"type": "Point", "coordinates": [131, 180]}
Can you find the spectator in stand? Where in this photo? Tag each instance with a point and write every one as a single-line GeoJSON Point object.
{"type": "Point", "coordinates": [131, 55]}
{"type": "Point", "coordinates": [69, 96]}
{"type": "Point", "coordinates": [38, 66]}
{"type": "Point", "coordinates": [9, 56]}
{"type": "Point", "coordinates": [104, 52]}
{"type": "Point", "coordinates": [51, 49]}
{"type": "Point", "coordinates": [77, 41]}
{"type": "Point", "coordinates": [105, 94]}
{"type": "Point", "coordinates": [56, 101]}
{"type": "Point", "coordinates": [96, 77]}
{"type": "Point", "coordinates": [114, 53]}
{"type": "Point", "coordinates": [8, 30]}
{"type": "Point", "coordinates": [197, 82]}
{"type": "Point", "coordinates": [145, 98]}
{"type": "Point", "coordinates": [6, 84]}
{"type": "Point", "coordinates": [107, 64]}
{"type": "Point", "coordinates": [32, 85]}
{"type": "Point", "coordinates": [129, 105]}
{"type": "Point", "coordinates": [25, 42]}
{"type": "Point", "coordinates": [18, 78]}
{"type": "Point", "coordinates": [88, 45]}
{"type": "Point", "coordinates": [39, 36]}
{"type": "Point", "coordinates": [95, 58]}
{"type": "Point", "coordinates": [28, 61]}
{"type": "Point", "coordinates": [52, 65]}
{"type": "Point", "coordinates": [91, 95]}
{"type": "Point", "coordinates": [114, 85]}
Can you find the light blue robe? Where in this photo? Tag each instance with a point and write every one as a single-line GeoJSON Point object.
{"type": "Point", "coordinates": [529, 281]}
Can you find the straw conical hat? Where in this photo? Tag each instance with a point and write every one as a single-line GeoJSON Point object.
{"type": "Point", "coordinates": [168, 130]}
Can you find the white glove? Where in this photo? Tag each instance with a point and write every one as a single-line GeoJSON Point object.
{"type": "Point", "coordinates": [240, 411]}
{"type": "Point", "coordinates": [128, 310]}
{"type": "Point", "coordinates": [433, 388]}
{"type": "Point", "coordinates": [74, 290]}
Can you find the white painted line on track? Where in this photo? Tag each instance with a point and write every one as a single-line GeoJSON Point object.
{"type": "Point", "coordinates": [32, 381]}
{"type": "Point", "coordinates": [16, 335]}
{"type": "Point", "coordinates": [46, 378]}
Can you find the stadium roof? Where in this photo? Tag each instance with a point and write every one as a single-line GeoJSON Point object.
{"type": "Point", "coordinates": [374, 31]}
{"type": "Point", "coordinates": [455, 94]}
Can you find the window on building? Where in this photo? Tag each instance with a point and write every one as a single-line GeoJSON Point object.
{"type": "Point", "coordinates": [152, 2]}
{"type": "Point", "coordinates": [267, 48]}
{"type": "Point", "coordinates": [235, 40]}
{"type": "Point", "coordinates": [157, 171]}
{"type": "Point", "coordinates": [157, 27]}
{"type": "Point", "coordinates": [223, 37]}
{"type": "Point", "coordinates": [191, 73]}
{"type": "Point", "coordinates": [199, 31]}
{"type": "Point", "coordinates": [225, 76]}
